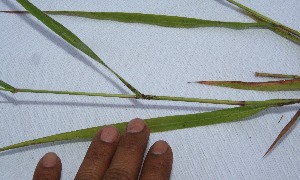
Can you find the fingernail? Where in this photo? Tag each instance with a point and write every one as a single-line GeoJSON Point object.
{"type": "Point", "coordinates": [159, 147]}
{"type": "Point", "coordinates": [109, 134]}
{"type": "Point", "coordinates": [135, 125]}
{"type": "Point", "coordinates": [49, 160]}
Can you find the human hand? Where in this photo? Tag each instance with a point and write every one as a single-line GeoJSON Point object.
{"type": "Point", "coordinates": [115, 156]}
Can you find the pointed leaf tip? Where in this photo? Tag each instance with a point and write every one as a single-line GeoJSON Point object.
{"type": "Point", "coordinates": [283, 131]}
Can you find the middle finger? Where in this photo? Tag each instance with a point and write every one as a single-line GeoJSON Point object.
{"type": "Point", "coordinates": [127, 161]}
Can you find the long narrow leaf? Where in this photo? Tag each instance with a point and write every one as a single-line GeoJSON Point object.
{"type": "Point", "coordinates": [71, 38]}
{"type": "Point", "coordinates": [180, 22]}
{"type": "Point", "coordinates": [159, 124]}
{"type": "Point", "coordinates": [284, 130]}
{"type": "Point", "coordinates": [59, 29]}
{"type": "Point", "coordinates": [278, 28]}
{"type": "Point", "coordinates": [153, 19]}
{"type": "Point", "coordinates": [283, 85]}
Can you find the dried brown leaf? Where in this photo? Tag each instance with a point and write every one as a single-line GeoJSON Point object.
{"type": "Point", "coordinates": [284, 130]}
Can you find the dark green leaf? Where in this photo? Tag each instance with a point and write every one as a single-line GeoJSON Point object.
{"type": "Point", "coordinates": [6, 86]}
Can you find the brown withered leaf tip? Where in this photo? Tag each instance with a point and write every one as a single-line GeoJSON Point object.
{"type": "Point", "coordinates": [284, 130]}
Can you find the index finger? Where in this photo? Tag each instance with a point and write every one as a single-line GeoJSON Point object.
{"type": "Point", "coordinates": [99, 154]}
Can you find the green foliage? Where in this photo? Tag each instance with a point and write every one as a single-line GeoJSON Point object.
{"type": "Point", "coordinates": [277, 27]}
{"type": "Point", "coordinates": [159, 124]}
{"type": "Point", "coordinates": [159, 20]}
{"type": "Point", "coordinates": [6, 86]}
{"type": "Point", "coordinates": [71, 38]}
{"type": "Point", "coordinates": [59, 29]}
{"type": "Point", "coordinates": [168, 123]}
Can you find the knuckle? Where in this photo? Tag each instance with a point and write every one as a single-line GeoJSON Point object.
{"type": "Point", "coordinates": [98, 155]}
{"type": "Point", "coordinates": [116, 174]}
{"type": "Point", "coordinates": [95, 154]}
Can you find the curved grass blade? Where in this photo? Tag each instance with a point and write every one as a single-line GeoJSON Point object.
{"type": "Point", "coordinates": [284, 130]}
{"type": "Point", "coordinates": [158, 20]}
{"type": "Point", "coordinates": [282, 85]}
{"type": "Point", "coordinates": [71, 38]}
{"type": "Point", "coordinates": [159, 124]}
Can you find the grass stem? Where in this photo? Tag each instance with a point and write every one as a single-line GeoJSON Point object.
{"type": "Point", "coordinates": [271, 102]}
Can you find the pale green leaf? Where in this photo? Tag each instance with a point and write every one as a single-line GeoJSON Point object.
{"type": "Point", "coordinates": [159, 124]}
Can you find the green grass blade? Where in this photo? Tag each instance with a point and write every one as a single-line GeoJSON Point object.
{"type": "Point", "coordinates": [287, 35]}
{"type": "Point", "coordinates": [282, 85]}
{"type": "Point", "coordinates": [59, 29]}
{"type": "Point", "coordinates": [6, 86]}
{"type": "Point", "coordinates": [159, 124]}
{"type": "Point", "coordinates": [71, 38]}
{"type": "Point", "coordinates": [278, 28]}
{"type": "Point", "coordinates": [158, 20]}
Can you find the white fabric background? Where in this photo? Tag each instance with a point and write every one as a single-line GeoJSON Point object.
{"type": "Point", "coordinates": [158, 61]}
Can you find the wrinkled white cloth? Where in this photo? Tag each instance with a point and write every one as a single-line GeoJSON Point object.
{"type": "Point", "coordinates": [158, 61]}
